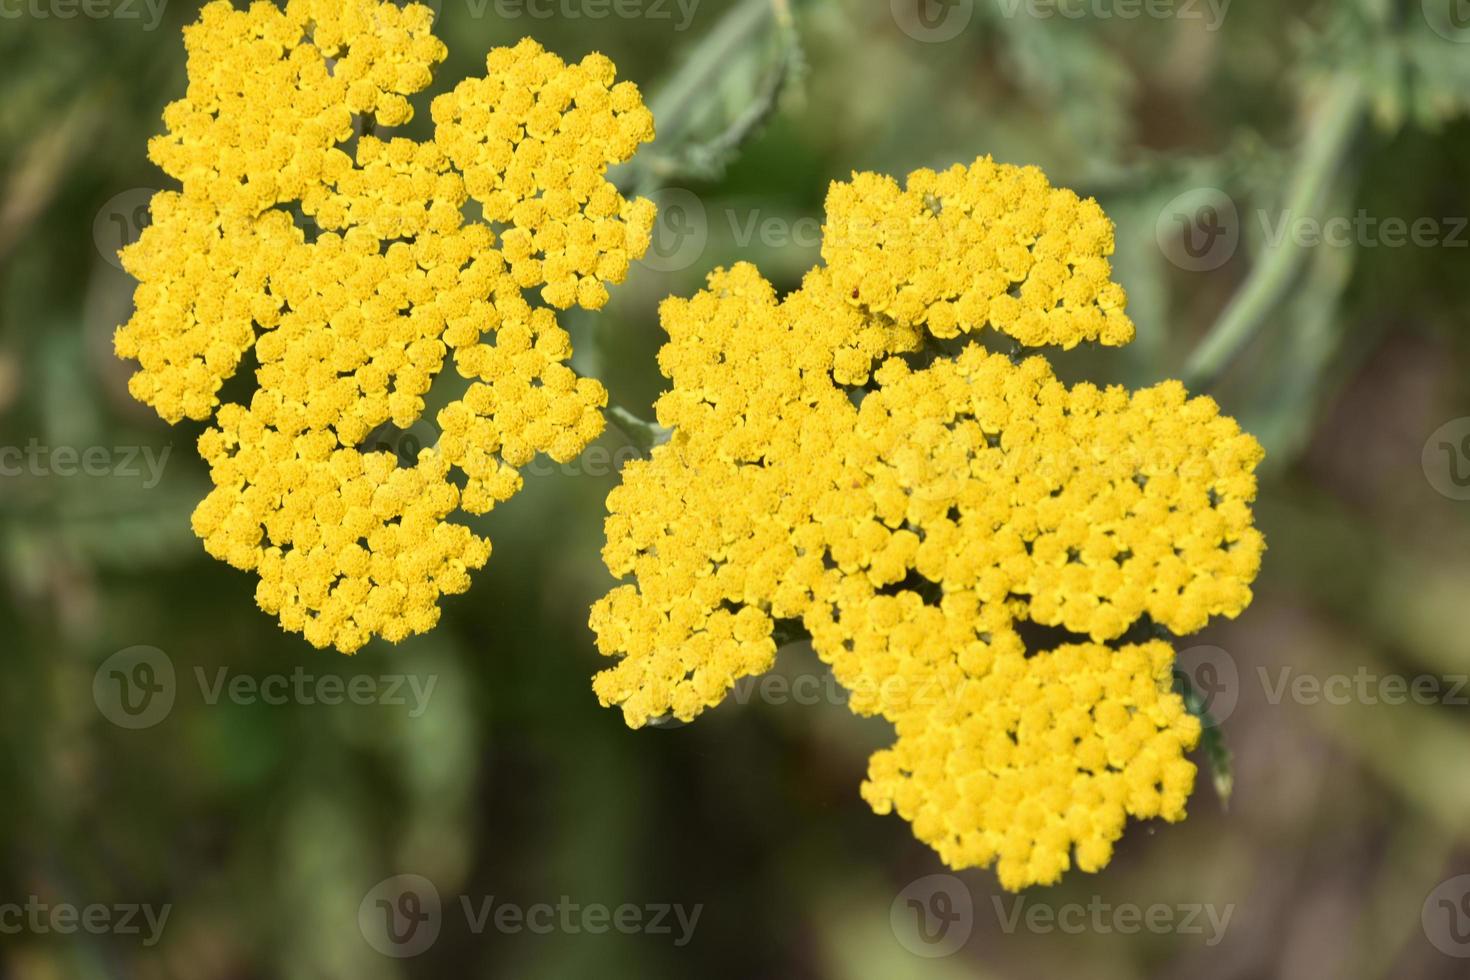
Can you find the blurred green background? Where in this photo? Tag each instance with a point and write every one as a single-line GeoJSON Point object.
{"type": "Point", "coordinates": [1218, 136]}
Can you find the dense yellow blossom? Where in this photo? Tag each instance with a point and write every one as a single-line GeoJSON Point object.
{"type": "Point", "coordinates": [416, 252]}
{"type": "Point", "coordinates": [920, 526]}
{"type": "Point", "coordinates": [985, 245]}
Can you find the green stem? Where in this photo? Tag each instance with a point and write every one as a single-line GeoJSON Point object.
{"type": "Point", "coordinates": [672, 103]}
{"type": "Point", "coordinates": [1327, 141]}
{"type": "Point", "coordinates": [641, 433]}
{"type": "Point", "coordinates": [709, 158]}
{"type": "Point", "coordinates": [1212, 737]}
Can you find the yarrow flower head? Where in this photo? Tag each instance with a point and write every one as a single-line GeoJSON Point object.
{"type": "Point", "coordinates": [350, 323]}
{"type": "Point", "coordinates": [983, 555]}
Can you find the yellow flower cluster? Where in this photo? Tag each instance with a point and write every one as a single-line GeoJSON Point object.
{"type": "Point", "coordinates": [921, 527]}
{"type": "Point", "coordinates": [353, 266]}
{"type": "Point", "coordinates": [985, 245]}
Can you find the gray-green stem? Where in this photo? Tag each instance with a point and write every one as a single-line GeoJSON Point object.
{"type": "Point", "coordinates": [1328, 138]}
{"type": "Point", "coordinates": [644, 435]}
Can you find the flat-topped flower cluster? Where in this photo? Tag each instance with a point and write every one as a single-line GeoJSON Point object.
{"type": "Point", "coordinates": [916, 513]}
{"type": "Point", "coordinates": [350, 325]}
